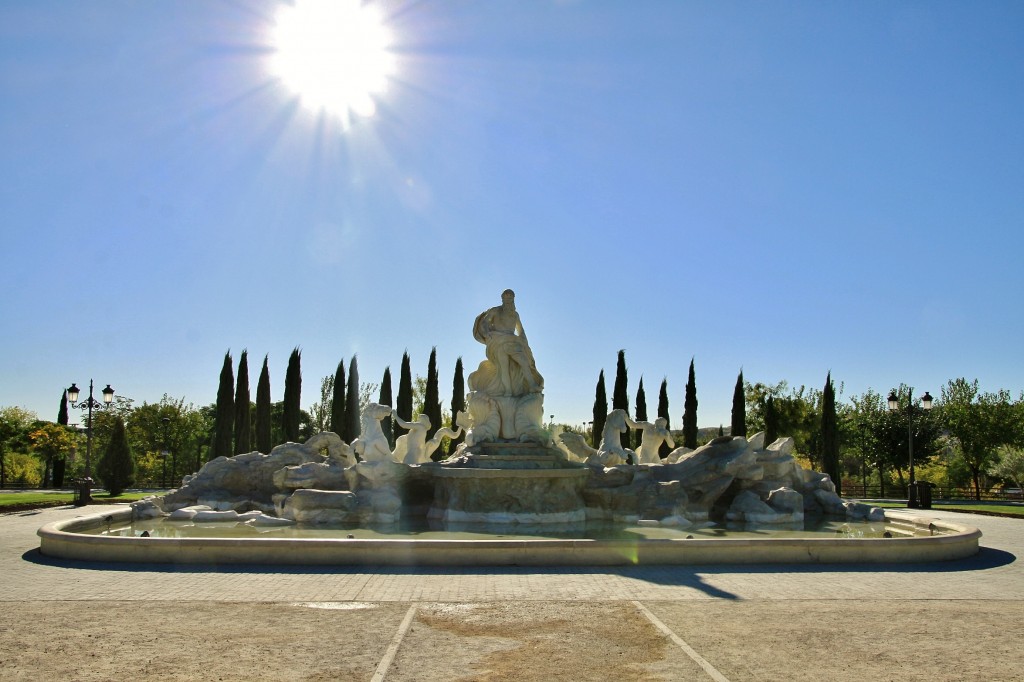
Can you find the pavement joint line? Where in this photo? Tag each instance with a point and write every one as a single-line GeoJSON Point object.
{"type": "Point", "coordinates": [392, 650]}
{"type": "Point", "coordinates": [689, 650]}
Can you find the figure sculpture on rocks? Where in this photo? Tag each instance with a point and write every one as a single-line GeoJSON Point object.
{"type": "Point", "coordinates": [653, 436]}
{"type": "Point", "coordinates": [372, 445]}
{"type": "Point", "coordinates": [413, 447]}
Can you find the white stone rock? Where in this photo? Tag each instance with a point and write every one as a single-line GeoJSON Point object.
{"type": "Point", "coordinates": [784, 446]}
{"type": "Point", "coordinates": [786, 500]}
{"type": "Point", "coordinates": [214, 516]}
{"type": "Point", "coordinates": [676, 521]}
{"type": "Point", "coordinates": [756, 442]}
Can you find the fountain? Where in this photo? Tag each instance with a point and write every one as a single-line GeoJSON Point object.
{"type": "Point", "coordinates": [509, 474]}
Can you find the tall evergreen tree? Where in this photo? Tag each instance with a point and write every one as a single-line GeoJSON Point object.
{"type": "Point", "coordinates": [292, 417]}
{"type": "Point", "coordinates": [385, 399]}
{"type": "Point", "coordinates": [641, 412]}
{"type": "Point", "coordinates": [432, 398]}
{"type": "Point", "coordinates": [116, 467]}
{"type": "Point", "coordinates": [690, 410]}
{"type": "Point", "coordinates": [600, 410]}
{"type": "Point", "coordinates": [60, 463]}
{"type": "Point", "coordinates": [739, 409]}
{"type": "Point", "coordinates": [264, 440]}
{"type": "Point", "coordinates": [620, 395]}
{"type": "Point", "coordinates": [458, 402]}
{"type": "Point", "coordinates": [771, 421]}
{"type": "Point", "coordinates": [224, 420]}
{"type": "Point", "coordinates": [830, 435]}
{"type": "Point", "coordinates": [664, 450]}
{"type": "Point", "coordinates": [338, 399]}
{"type": "Point", "coordinates": [403, 406]}
{"type": "Point", "coordinates": [243, 414]}
{"type": "Point", "coordinates": [352, 429]}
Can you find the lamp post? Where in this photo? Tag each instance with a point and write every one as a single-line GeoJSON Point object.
{"type": "Point", "coordinates": [85, 495]}
{"type": "Point", "coordinates": [164, 453]}
{"type": "Point", "coordinates": [894, 405]}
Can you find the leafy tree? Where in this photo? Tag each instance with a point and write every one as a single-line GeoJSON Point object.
{"type": "Point", "coordinates": [320, 412]}
{"type": "Point", "coordinates": [432, 399]}
{"type": "Point", "coordinates": [243, 414]}
{"type": "Point", "coordinates": [981, 422]}
{"type": "Point", "coordinates": [830, 434]}
{"type": "Point", "coordinates": [385, 399]}
{"type": "Point", "coordinates": [771, 421]}
{"type": "Point", "coordinates": [338, 399]}
{"type": "Point", "coordinates": [641, 410]}
{"type": "Point", "coordinates": [264, 439]}
{"type": "Point", "coordinates": [458, 401]}
{"type": "Point", "coordinates": [352, 406]}
{"type": "Point", "coordinates": [224, 425]}
{"type": "Point", "coordinates": [664, 450]}
{"type": "Point", "coordinates": [797, 412]}
{"type": "Point", "coordinates": [1010, 465]}
{"type": "Point", "coordinates": [403, 408]}
{"type": "Point", "coordinates": [600, 410]}
{"type": "Point", "coordinates": [739, 409]}
{"type": "Point", "coordinates": [690, 410]}
{"type": "Point", "coordinates": [116, 467]}
{"type": "Point", "coordinates": [186, 431]}
{"type": "Point", "coordinates": [49, 441]}
{"type": "Point", "coordinates": [292, 397]}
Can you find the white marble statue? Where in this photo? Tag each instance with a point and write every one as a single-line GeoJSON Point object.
{"type": "Point", "coordinates": [413, 447]}
{"type": "Point", "coordinates": [510, 369]}
{"type": "Point", "coordinates": [653, 436]}
{"type": "Point", "coordinates": [610, 452]}
{"type": "Point", "coordinates": [372, 445]}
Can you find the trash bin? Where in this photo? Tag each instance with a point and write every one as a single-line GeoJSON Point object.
{"type": "Point", "coordinates": [924, 494]}
{"type": "Point", "coordinates": [82, 488]}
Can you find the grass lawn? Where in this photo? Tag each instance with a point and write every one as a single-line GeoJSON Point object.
{"type": "Point", "coordinates": [965, 506]}
{"type": "Point", "coordinates": [38, 499]}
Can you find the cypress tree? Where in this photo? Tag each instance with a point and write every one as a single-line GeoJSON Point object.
{"type": "Point", "coordinates": [721, 431]}
{"type": "Point", "coordinates": [458, 402]}
{"type": "Point", "coordinates": [224, 420]}
{"type": "Point", "coordinates": [600, 410]}
{"type": "Point", "coordinates": [690, 410]}
{"type": "Point", "coordinates": [771, 421]}
{"type": "Point", "coordinates": [385, 399]}
{"type": "Point", "coordinates": [432, 397]}
{"type": "Point", "coordinates": [641, 412]}
{"type": "Point", "coordinates": [243, 417]}
{"type": "Point", "coordinates": [60, 463]}
{"type": "Point", "coordinates": [263, 427]}
{"type": "Point", "coordinates": [292, 396]}
{"type": "Point", "coordinates": [352, 429]}
{"type": "Point", "coordinates": [830, 434]}
{"type": "Point", "coordinates": [664, 450]}
{"type": "Point", "coordinates": [403, 406]}
{"type": "Point", "coordinates": [338, 399]}
{"type": "Point", "coordinates": [116, 467]}
{"type": "Point", "coordinates": [620, 397]}
{"type": "Point", "coordinates": [739, 409]}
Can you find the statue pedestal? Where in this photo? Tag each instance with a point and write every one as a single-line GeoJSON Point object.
{"type": "Point", "coordinates": [508, 496]}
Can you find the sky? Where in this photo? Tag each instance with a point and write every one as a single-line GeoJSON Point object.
{"type": "Point", "coordinates": [790, 188]}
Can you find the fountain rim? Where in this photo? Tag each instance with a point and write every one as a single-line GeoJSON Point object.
{"type": "Point", "coordinates": [63, 539]}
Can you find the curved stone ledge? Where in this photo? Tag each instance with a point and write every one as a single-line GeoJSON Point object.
{"type": "Point", "coordinates": [63, 540]}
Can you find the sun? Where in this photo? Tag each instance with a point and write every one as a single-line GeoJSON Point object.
{"type": "Point", "coordinates": [334, 54]}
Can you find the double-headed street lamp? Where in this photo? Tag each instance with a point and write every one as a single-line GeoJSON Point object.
{"type": "Point", "coordinates": [89, 403]}
{"type": "Point", "coordinates": [894, 405]}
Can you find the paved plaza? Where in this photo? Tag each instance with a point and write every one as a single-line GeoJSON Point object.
{"type": "Point", "coordinates": [941, 621]}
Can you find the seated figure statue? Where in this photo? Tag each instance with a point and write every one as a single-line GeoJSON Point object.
{"type": "Point", "coordinates": [653, 436]}
{"type": "Point", "coordinates": [510, 369]}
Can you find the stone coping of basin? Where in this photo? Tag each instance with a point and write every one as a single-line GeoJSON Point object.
{"type": "Point", "coordinates": [60, 540]}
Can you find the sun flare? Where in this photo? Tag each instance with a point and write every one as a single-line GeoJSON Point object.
{"type": "Point", "coordinates": [335, 54]}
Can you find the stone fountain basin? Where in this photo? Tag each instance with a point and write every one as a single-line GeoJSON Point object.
{"type": "Point", "coordinates": [933, 540]}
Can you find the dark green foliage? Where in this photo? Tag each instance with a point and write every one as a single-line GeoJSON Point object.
{"type": "Point", "coordinates": [60, 464]}
{"type": "Point", "coordinates": [830, 434]}
{"type": "Point", "coordinates": [739, 409]}
{"type": "Point", "coordinates": [721, 431]}
{"type": "Point", "coordinates": [641, 412]}
{"type": "Point", "coordinates": [664, 450]}
{"type": "Point", "coordinates": [620, 397]}
{"type": "Point", "coordinates": [690, 410]}
{"type": "Point", "coordinates": [352, 429]}
{"type": "Point", "coordinates": [243, 416]}
{"type": "Point", "coordinates": [338, 399]}
{"type": "Point", "coordinates": [432, 400]}
{"type": "Point", "coordinates": [385, 399]}
{"type": "Point", "coordinates": [224, 423]}
{"type": "Point", "coordinates": [771, 421]}
{"type": "Point", "coordinates": [600, 410]}
{"type": "Point", "coordinates": [62, 411]}
{"type": "Point", "coordinates": [264, 442]}
{"type": "Point", "coordinates": [403, 407]}
{"type": "Point", "coordinates": [293, 397]}
{"type": "Point", "coordinates": [116, 468]}
{"type": "Point", "coordinates": [458, 402]}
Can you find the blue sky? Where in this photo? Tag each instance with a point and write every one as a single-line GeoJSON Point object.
{"type": "Point", "coordinates": [790, 187]}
